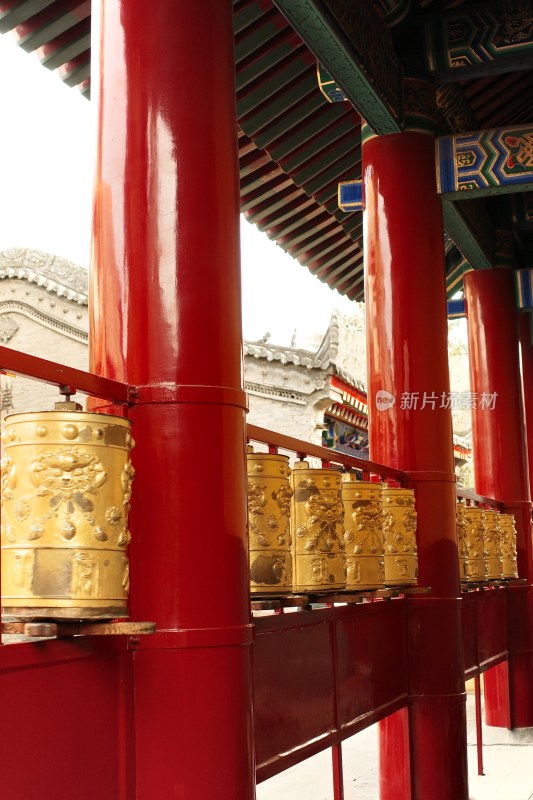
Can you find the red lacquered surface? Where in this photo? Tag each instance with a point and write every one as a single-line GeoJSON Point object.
{"type": "Point", "coordinates": [501, 470]}
{"type": "Point", "coordinates": [499, 435]}
{"type": "Point", "coordinates": [166, 316]}
{"type": "Point", "coordinates": [407, 353]}
{"type": "Point", "coordinates": [63, 701]}
{"type": "Point", "coordinates": [394, 767]}
{"type": "Point", "coordinates": [321, 676]}
{"type": "Point", "coordinates": [526, 346]}
{"type": "Point", "coordinates": [483, 617]}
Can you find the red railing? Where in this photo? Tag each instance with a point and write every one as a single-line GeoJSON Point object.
{"type": "Point", "coordinates": [331, 627]}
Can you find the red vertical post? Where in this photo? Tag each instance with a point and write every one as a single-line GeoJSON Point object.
{"type": "Point", "coordinates": [479, 727]}
{"type": "Point", "coordinates": [422, 750]}
{"type": "Point", "coordinates": [501, 471]}
{"type": "Point", "coordinates": [338, 772]}
{"type": "Point", "coordinates": [526, 347]}
{"type": "Point", "coordinates": [166, 317]}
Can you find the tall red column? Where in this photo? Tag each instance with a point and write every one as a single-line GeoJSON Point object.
{"type": "Point", "coordinates": [501, 471]}
{"type": "Point", "coordinates": [526, 347]}
{"type": "Point", "coordinates": [166, 317]}
{"type": "Point", "coordinates": [422, 749]}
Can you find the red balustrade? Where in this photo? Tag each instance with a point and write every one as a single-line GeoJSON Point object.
{"type": "Point", "coordinates": [320, 675]}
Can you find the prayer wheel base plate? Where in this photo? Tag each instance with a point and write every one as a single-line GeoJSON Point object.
{"type": "Point", "coordinates": [77, 614]}
{"type": "Point", "coordinates": [53, 630]}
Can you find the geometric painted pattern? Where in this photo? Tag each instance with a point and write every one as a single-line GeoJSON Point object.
{"type": "Point", "coordinates": [494, 161]}
{"type": "Point", "coordinates": [350, 196]}
{"type": "Point", "coordinates": [328, 86]}
{"type": "Point", "coordinates": [524, 289]}
{"type": "Point", "coordinates": [475, 39]}
{"type": "Point", "coordinates": [392, 11]}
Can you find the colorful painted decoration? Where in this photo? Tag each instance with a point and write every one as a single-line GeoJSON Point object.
{"type": "Point", "coordinates": [524, 289]}
{"type": "Point", "coordinates": [328, 86]}
{"type": "Point", "coordinates": [494, 161]}
{"type": "Point", "coordinates": [350, 196]}
{"type": "Point", "coordinates": [481, 39]}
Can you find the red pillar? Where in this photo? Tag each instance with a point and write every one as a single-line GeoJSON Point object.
{"type": "Point", "coordinates": [526, 347]}
{"type": "Point", "coordinates": [166, 317]}
{"type": "Point", "coordinates": [501, 471]}
{"type": "Point", "coordinates": [422, 750]}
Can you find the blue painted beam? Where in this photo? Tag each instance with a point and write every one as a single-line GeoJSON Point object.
{"type": "Point", "coordinates": [456, 309]}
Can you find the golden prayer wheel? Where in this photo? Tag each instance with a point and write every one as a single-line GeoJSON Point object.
{"type": "Point", "coordinates": [317, 524]}
{"type": "Point", "coordinates": [363, 522]}
{"type": "Point", "coordinates": [508, 544]}
{"type": "Point", "coordinates": [399, 528]}
{"type": "Point", "coordinates": [493, 545]}
{"type": "Point", "coordinates": [476, 565]}
{"type": "Point", "coordinates": [269, 504]}
{"type": "Point", "coordinates": [66, 488]}
{"type": "Point", "coordinates": [462, 546]}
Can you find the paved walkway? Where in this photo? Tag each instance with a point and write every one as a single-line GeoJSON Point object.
{"type": "Point", "coordinates": [508, 762]}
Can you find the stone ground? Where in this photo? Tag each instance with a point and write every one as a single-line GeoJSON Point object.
{"type": "Point", "coordinates": [508, 763]}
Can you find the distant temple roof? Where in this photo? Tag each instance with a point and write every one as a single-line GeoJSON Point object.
{"type": "Point", "coordinates": [54, 274]}
{"type": "Point", "coordinates": [333, 352]}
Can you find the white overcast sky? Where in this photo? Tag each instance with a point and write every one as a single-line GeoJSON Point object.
{"type": "Point", "coordinates": [46, 145]}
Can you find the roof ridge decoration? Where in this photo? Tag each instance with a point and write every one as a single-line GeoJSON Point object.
{"type": "Point", "coordinates": [285, 355]}
{"type": "Point", "coordinates": [333, 351]}
{"type": "Point", "coordinates": [53, 273]}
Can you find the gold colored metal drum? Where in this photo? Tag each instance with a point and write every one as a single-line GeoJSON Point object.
{"type": "Point", "coordinates": [399, 528]}
{"type": "Point", "coordinates": [269, 504]}
{"type": "Point", "coordinates": [508, 544]}
{"type": "Point", "coordinates": [462, 546]}
{"type": "Point", "coordinates": [493, 545]}
{"type": "Point", "coordinates": [476, 565]}
{"type": "Point", "coordinates": [317, 524]}
{"type": "Point", "coordinates": [363, 521]}
{"type": "Point", "coordinates": [66, 488]}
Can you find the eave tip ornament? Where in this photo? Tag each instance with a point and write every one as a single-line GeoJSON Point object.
{"type": "Point", "coordinates": [66, 490]}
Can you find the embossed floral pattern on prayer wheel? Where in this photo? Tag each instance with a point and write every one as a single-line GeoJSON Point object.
{"type": "Point", "coordinates": [462, 547]}
{"type": "Point", "coordinates": [363, 522]}
{"type": "Point", "coordinates": [508, 545]}
{"type": "Point", "coordinates": [493, 545]}
{"type": "Point", "coordinates": [269, 504]}
{"type": "Point", "coordinates": [317, 525]}
{"type": "Point", "coordinates": [476, 565]}
{"type": "Point", "coordinates": [399, 528]}
{"type": "Point", "coordinates": [66, 489]}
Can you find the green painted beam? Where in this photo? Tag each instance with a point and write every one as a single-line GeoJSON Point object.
{"type": "Point", "coordinates": [481, 39]}
{"type": "Point", "coordinates": [373, 85]}
{"type": "Point", "coordinates": [471, 236]}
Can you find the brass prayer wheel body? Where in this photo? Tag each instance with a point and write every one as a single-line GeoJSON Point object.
{"type": "Point", "coordinates": [462, 547]}
{"type": "Point", "coordinates": [269, 505]}
{"type": "Point", "coordinates": [493, 545]}
{"type": "Point", "coordinates": [399, 528]}
{"type": "Point", "coordinates": [363, 522]}
{"type": "Point", "coordinates": [66, 489]}
{"type": "Point", "coordinates": [476, 565]}
{"type": "Point", "coordinates": [508, 544]}
{"type": "Point", "coordinates": [317, 523]}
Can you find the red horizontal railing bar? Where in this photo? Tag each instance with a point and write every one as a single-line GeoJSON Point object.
{"type": "Point", "coordinates": [59, 375]}
{"type": "Point", "coordinates": [468, 494]}
{"type": "Point", "coordinates": [271, 438]}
